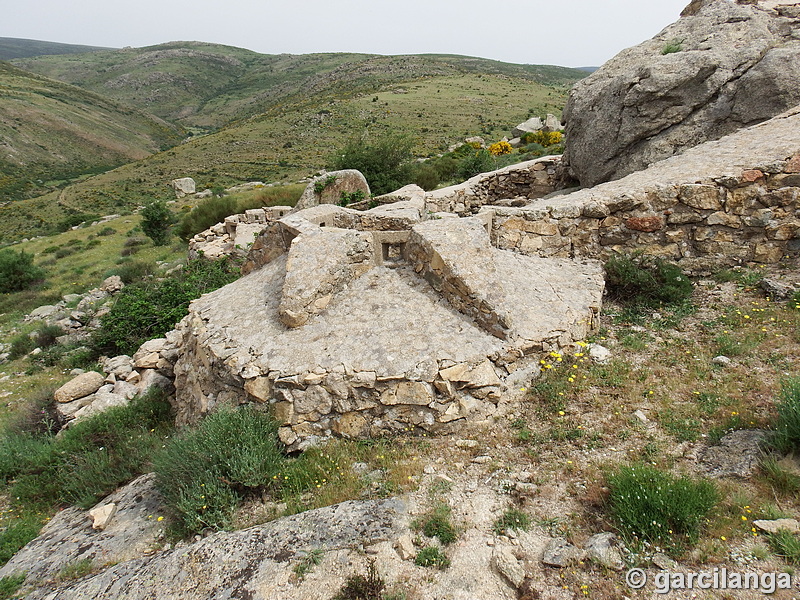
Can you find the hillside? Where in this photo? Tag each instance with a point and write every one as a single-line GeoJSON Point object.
{"type": "Point", "coordinates": [312, 106]}
{"type": "Point", "coordinates": [52, 131]}
{"type": "Point", "coordinates": [208, 85]}
{"type": "Point", "coordinates": [23, 48]}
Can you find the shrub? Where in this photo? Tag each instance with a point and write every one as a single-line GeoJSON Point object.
{"type": "Point", "coordinates": [87, 461]}
{"type": "Point", "coordinates": [645, 281]}
{"type": "Point", "coordinates": [21, 344]}
{"type": "Point", "coordinates": [157, 221]}
{"type": "Point", "coordinates": [436, 523]}
{"type": "Point", "coordinates": [542, 138]}
{"type": "Point", "coordinates": [321, 184]}
{"type": "Point", "coordinates": [386, 163]}
{"type": "Point", "coordinates": [426, 176]}
{"type": "Point", "coordinates": [150, 309]}
{"type": "Point", "coordinates": [673, 46]}
{"type": "Point", "coordinates": [363, 587]}
{"type": "Point", "coordinates": [785, 436]}
{"type": "Point", "coordinates": [346, 198]}
{"type": "Point", "coordinates": [653, 507]}
{"type": "Point", "coordinates": [76, 219]}
{"type": "Point", "coordinates": [432, 557]}
{"type": "Point", "coordinates": [511, 519]}
{"type": "Point", "coordinates": [38, 416]}
{"type": "Point", "coordinates": [46, 335]}
{"type": "Point", "coordinates": [17, 271]}
{"type": "Point", "coordinates": [131, 271]}
{"type": "Point", "coordinates": [204, 473]}
{"type": "Point", "coordinates": [107, 231]}
{"type": "Point", "coordinates": [209, 212]}
{"type": "Point", "coordinates": [500, 148]}
{"type": "Point", "coordinates": [786, 545]}
{"type": "Point", "coordinates": [476, 162]}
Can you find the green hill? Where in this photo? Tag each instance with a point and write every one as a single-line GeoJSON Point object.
{"type": "Point", "coordinates": [268, 118]}
{"type": "Point", "coordinates": [51, 131]}
{"type": "Point", "coordinates": [23, 48]}
{"type": "Point", "coordinates": [208, 85]}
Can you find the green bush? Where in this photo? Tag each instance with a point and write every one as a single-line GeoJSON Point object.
{"type": "Point", "coordinates": [432, 557]}
{"type": "Point", "coordinates": [479, 161]}
{"type": "Point", "coordinates": [785, 436]}
{"type": "Point", "coordinates": [17, 271]}
{"type": "Point", "coordinates": [132, 271]}
{"type": "Point", "coordinates": [87, 461]}
{"type": "Point", "coordinates": [437, 523]}
{"type": "Point", "coordinates": [346, 198]}
{"type": "Point", "coordinates": [209, 212]}
{"type": "Point", "coordinates": [150, 309]}
{"type": "Point", "coordinates": [21, 344]}
{"type": "Point", "coordinates": [513, 518]}
{"type": "Point", "coordinates": [646, 281]}
{"type": "Point", "coordinates": [157, 221]}
{"type": "Point", "coordinates": [386, 163]}
{"type": "Point", "coordinates": [204, 473]}
{"type": "Point", "coordinates": [786, 545]}
{"type": "Point", "coordinates": [76, 219]}
{"type": "Point", "coordinates": [654, 508]}
{"type": "Point", "coordinates": [38, 416]}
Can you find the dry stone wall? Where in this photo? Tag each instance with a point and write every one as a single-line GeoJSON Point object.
{"type": "Point", "coordinates": [359, 332]}
{"type": "Point", "coordinates": [725, 202]}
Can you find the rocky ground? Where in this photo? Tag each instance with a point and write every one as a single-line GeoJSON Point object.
{"type": "Point", "coordinates": [663, 396]}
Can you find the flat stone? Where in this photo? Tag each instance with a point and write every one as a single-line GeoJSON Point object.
{"type": "Point", "coordinates": [560, 553]}
{"type": "Point", "coordinates": [508, 566]}
{"type": "Point", "coordinates": [82, 385]}
{"type": "Point", "coordinates": [601, 549]}
{"type": "Point", "coordinates": [102, 515]}
{"type": "Point", "coordinates": [775, 525]}
{"type": "Point", "coordinates": [737, 454]}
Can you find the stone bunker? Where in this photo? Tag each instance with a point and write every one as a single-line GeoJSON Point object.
{"type": "Point", "coordinates": [360, 323]}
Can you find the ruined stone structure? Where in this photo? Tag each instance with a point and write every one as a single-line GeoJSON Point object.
{"type": "Point", "coordinates": [722, 203]}
{"type": "Point", "coordinates": [361, 323]}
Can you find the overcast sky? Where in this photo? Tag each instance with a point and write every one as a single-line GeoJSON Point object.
{"type": "Point", "coordinates": [564, 32]}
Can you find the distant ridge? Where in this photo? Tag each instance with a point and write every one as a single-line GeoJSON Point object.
{"type": "Point", "coordinates": [11, 48]}
{"type": "Point", "coordinates": [587, 69]}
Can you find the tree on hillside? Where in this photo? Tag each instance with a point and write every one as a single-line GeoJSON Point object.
{"type": "Point", "coordinates": [17, 271]}
{"type": "Point", "coordinates": [156, 222]}
{"type": "Point", "coordinates": [387, 163]}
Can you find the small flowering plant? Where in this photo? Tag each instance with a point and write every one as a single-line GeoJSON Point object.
{"type": "Point", "coordinates": [656, 510]}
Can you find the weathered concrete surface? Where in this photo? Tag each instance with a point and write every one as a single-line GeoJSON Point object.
{"type": "Point", "coordinates": [738, 64]}
{"type": "Point", "coordinates": [244, 564]}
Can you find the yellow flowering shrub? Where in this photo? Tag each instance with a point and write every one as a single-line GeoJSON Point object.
{"type": "Point", "coordinates": [545, 138]}
{"type": "Point", "coordinates": [500, 148]}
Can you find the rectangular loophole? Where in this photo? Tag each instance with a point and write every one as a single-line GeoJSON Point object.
{"type": "Point", "coordinates": [393, 253]}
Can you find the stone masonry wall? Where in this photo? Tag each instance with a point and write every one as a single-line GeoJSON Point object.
{"type": "Point", "coordinates": [725, 202]}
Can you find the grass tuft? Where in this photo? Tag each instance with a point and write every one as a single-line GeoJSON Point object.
{"type": "Point", "coordinates": [654, 508]}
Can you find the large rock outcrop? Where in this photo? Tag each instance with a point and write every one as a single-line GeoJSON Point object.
{"type": "Point", "coordinates": [723, 66]}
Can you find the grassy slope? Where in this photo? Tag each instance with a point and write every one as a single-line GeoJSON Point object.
{"type": "Point", "coordinates": [295, 138]}
{"type": "Point", "coordinates": [23, 48]}
{"type": "Point", "coordinates": [209, 85]}
{"type": "Point", "coordinates": [51, 131]}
